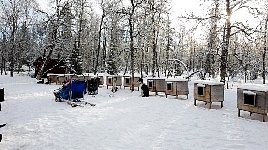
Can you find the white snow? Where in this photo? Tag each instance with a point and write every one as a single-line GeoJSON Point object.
{"type": "Point", "coordinates": [123, 121]}
{"type": "Point", "coordinates": [254, 87]}
{"type": "Point", "coordinates": [249, 93]}
{"type": "Point", "coordinates": [137, 75]}
{"type": "Point", "coordinates": [208, 82]}
{"type": "Point", "coordinates": [156, 78]}
{"type": "Point", "coordinates": [176, 79]}
{"type": "Point", "coordinates": [201, 85]}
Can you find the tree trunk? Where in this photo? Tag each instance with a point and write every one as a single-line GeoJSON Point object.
{"type": "Point", "coordinates": [104, 53]}
{"type": "Point", "coordinates": [226, 40]}
{"type": "Point", "coordinates": [167, 53]}
{"type": "Point", "coordinates": [264, 51]}
{"type": "Point", "coordinates": [14, 27]}
{"type": "Point", "coordinates": [52, 44]}
{"type": "Point", "coordinates": [154, 58]}
{"type": "Point", "coordinates": [2, 62]}
{"type": "Point", "coordinates": [99, 44]}
{"type": "Point", "coordinates": [131, 49]}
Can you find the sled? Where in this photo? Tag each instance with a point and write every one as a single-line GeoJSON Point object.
{"type": "Point", "coordinates": [72, 93]}
{"type": "Point", "coordinates": [80, 103]}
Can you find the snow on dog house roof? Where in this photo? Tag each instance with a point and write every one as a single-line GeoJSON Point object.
{"type": "Point", "coordinates": [209, 82]}
{"type": "Point", "coordinates": [176, 79]}
{"type": "Point", "coordinates": [94, 75]}
{"type": "Point", "coordinates": [136, 75]}
{"type": "Point", "coordinates": [150, 78]}
{"type": "Point", "coordinates": [254, 87]}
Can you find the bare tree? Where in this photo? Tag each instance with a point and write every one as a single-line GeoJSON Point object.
{"type": "Point", "coordinates": [102, 3]}
{"type": "Point", "coordinates": [12, 14]}
{"type": "Point", "coordinates": [212, 39]}
{"type": "Point", "coordinates": [53, 33]}
{"type": "Point", "coordinates": [264, 49]}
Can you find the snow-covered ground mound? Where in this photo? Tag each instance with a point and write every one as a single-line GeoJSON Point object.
{"type": "Point", "coordinates": [123, 121]}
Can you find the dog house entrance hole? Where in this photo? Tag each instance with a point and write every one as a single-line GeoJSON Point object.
{"type": "Point", "coordinates": [169, 85]}
{"type": "Point", "coordinates": [201, 91]}
{"type": "Point", "coordinates": [127, 80]}
{"type": "Point", "coordinates": [110, 80]}
{"type": "Point", "coordinates": [150, 84]}
{"type": "Point", "coordinates": [249, 99]}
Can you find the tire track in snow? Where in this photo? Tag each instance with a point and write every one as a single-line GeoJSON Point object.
{"type": "Point", "coordinates": [113, 98]}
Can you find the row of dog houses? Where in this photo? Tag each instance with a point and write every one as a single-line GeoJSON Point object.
{"type": "Point", "coordinates": [250, 97]}
{"type": "Point", "coordinates": [62, 78]}
{"type": "Point", "coordinates": [110, 79]}
{"type": "Point", "coordinates": [175, 86]}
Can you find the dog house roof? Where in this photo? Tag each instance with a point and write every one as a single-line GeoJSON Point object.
{"type": "Point", "coordinates": [156, 78]}
{"type": "Point", "coordinates": [176, 79]}
{"type": "Point", "coordinates": [254, 87]}
{"type": "Point", "coordinates": [136, 75]}
{"type": "Point", "coordinates": [94, 75]}
{"type": "Point", "coordinates": [209, 82]}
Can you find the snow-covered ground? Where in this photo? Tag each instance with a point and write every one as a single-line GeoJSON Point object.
{"type": "Point", "coordinates": [123, 121]}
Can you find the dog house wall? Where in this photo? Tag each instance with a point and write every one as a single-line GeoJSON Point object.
{"type": "Point", "coordinates": [212, 91]}
{"type": "Point", "coordinates": [61, 79]}
{"type": "Point", "coordinates": [110, 79]}
{"type": "Point", "coordinates": [259, 92]}
{"type": "Point", "coordinates": [156, 84]}
{"type": "Point", "coordinates": [128, 80]}
{"type": "Point", "coordinates": [79, 77]}
{"type": "Point", "coordinates": [101, 80]}
{"type": "Point", "coordinates": [177, 87]}
{"type": "Point", "coordinates": [52, 78]}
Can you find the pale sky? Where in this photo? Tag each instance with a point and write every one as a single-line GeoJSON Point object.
{"type": "Point", "coordinates": [184, 7]}
{"type": "Point", "coordinates": [178, 6]}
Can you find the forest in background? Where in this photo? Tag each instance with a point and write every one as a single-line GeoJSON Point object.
{"type": "Point", "coordinates": [135, 36]}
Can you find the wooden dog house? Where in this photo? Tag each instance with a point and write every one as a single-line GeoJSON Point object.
{"type": "Point", "coordinates": [79, 77]}
{"type": "Point", "coordinates": [253, 98]}
{"type": "Point", "coordinates": [177, 86]}
{"type": "Point", "coordinates": [99, 77]}
{"type": "Point", "coordinates": [128, 81]}
{"type": "Point", "coordinates": [208, 92]}
{"type": "Point", "coordinates": [61, 79]}
{"type": "Point", "coordinates": [86, 76]}
{"type": "Point", "coordinates": [68, 76]}
{"type": "Point", "coordinates": [156, 85]}
{"type": "Point", "coordinates": [111, 78]}
{"type": "Point", "coordinates": [52, 78]}
{"type": "Point", "coordinates": [101, 80]}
